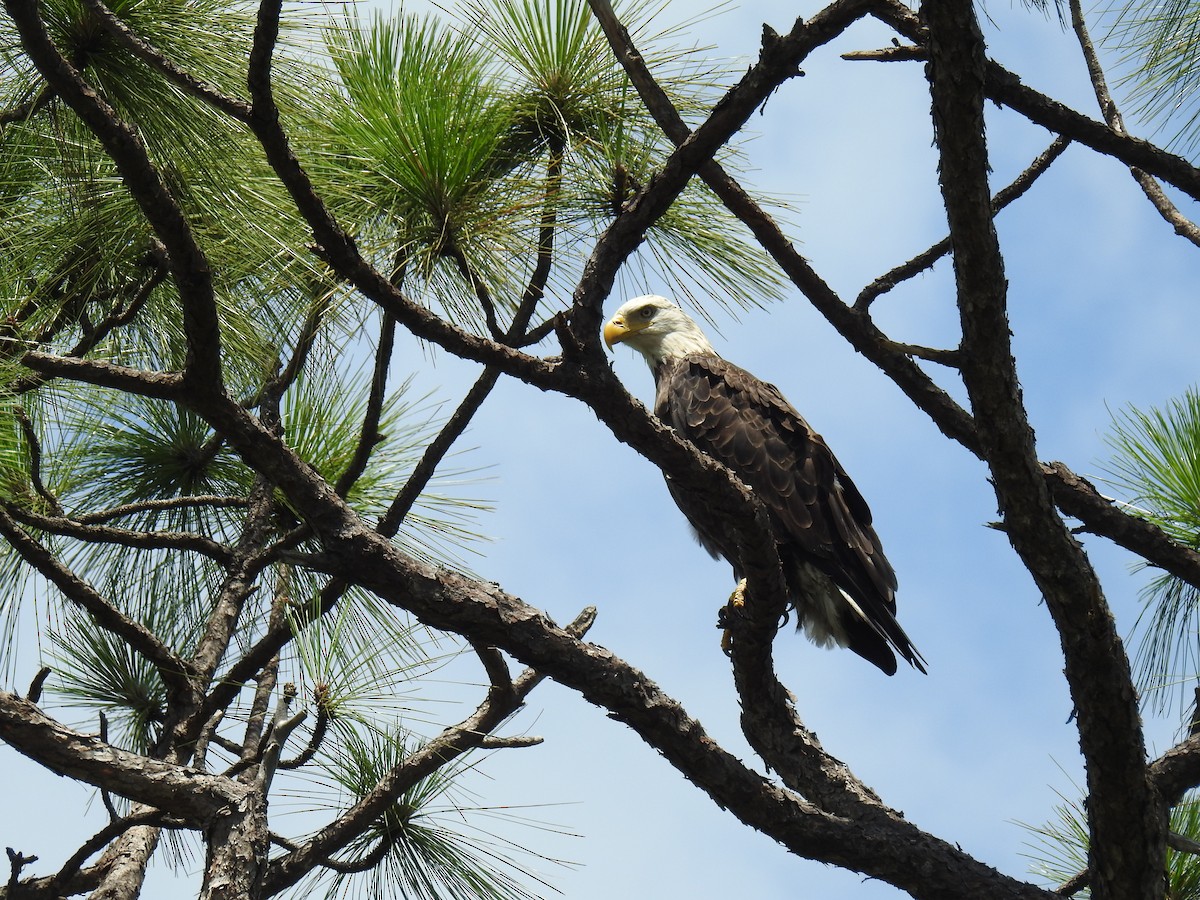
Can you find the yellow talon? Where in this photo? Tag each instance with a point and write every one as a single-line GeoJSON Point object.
{"type": "Point", "coordinates": [736, 601]}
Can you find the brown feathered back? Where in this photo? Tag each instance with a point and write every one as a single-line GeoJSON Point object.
{"type": "Point", "coordinates": [822, 523]}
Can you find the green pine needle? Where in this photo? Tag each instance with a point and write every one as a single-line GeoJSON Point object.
{"type": "Point", "coordinates": [1156, 465]}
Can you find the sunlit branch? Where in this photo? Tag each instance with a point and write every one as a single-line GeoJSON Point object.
{"type": "Point", "coordinates": [1077, 497]}
{"type": "Point", "coordinates": [239, 582]}
{"type": "Point", "coordinates": [34, 694]}
{"type": "Point", "coordinates": [142, 382]}
{"type": "Point", "coordinates": [266, 678]}
{"type": "Point", "coordinates": [366, 863]}
{"type": "Point", "coordinates": [320, 728]}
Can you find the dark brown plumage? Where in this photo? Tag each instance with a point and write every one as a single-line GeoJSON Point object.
{"type": "Point", "coordinates": [839, 581]}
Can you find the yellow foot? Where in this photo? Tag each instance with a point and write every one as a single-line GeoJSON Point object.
{"type": "Point", "coordinates": [736, 601]}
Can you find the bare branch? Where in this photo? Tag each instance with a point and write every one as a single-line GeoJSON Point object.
{"type": "Point", "coordinates": [924, 261]}
{"type": "Point", "coordinates": [369, 436]}
{"type": "Point", "coordinates": [114, 829]}
{"type": "Point", "coordinates": [436, 452]}
{"type": "Point", "coordinates": [1183, 226]}
{"type": "Point", "coordinates": [34, 694]}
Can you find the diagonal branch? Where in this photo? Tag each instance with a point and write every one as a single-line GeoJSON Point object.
{"type": "Point", "coordinates": [197, 87]}
{"type": "Point", "coordinates": [1077, 497]}
{"type": "Point", "coordinates": [1183, 226]}
{"type": "Point", "coordinates": [174, 671]}
{"type": "Point", "coordinates": [923, 261]}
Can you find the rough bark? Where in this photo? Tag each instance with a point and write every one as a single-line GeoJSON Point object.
{"type": "Point", "coordinates": [1126, 818]}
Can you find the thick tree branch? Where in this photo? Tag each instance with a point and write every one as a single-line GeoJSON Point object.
{"type": "Point", "coordinates": [179, 791]}
{"type": "Point", "coordinates": [1078, 497]}
{"type": "Point", "coordinates": [163, 385]}
{"type": "Point", "coordinates": [1127, 822]}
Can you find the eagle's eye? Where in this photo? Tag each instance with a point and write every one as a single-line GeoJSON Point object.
{"type": "Point", "coordinates": [646, 312]}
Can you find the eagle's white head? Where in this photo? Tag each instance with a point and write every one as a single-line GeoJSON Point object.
{"type": "Point", "coordinates": [656, 328]}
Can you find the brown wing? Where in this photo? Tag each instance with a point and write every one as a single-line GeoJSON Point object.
{"type": "Point", "coordinates": [820, 518]}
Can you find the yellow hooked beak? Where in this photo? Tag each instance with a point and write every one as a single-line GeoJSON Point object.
{"type": "Point", "coordinates": [617, 329]}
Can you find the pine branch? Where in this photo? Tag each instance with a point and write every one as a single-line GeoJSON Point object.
{"type": "Point", "coordinates": [175, 672]}
{"type": "Point", "coordinates": [193, 796]}
{"type": "Point", "coordinates": [197, 87]}
{"type": "Point", "coordinates": [122, 537]}
{"type": "Point", "coordinates": [189, 266]}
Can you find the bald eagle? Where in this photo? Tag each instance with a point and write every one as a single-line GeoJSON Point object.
{"type": "Point", "coordinates": [839, 583]}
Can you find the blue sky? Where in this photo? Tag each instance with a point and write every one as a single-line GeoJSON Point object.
{"type": "Point", "coordinates": [1104, 314]}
